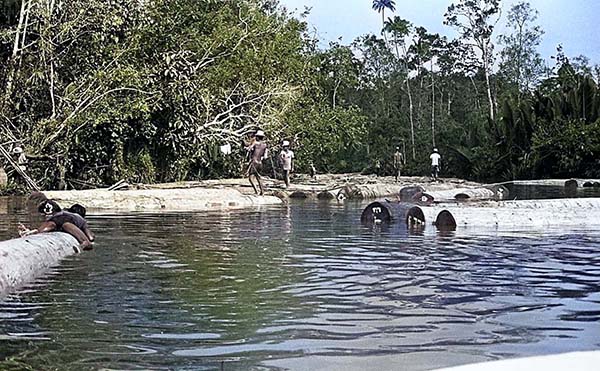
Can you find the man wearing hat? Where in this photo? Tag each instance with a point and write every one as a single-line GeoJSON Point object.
{"type": "Point", "coordinates": [286, 157]}
{"type": "Point", "coordinates": [258, 152]}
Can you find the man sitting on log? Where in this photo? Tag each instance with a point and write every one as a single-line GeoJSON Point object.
{"type": "Point", "coordinates": [70, 221]}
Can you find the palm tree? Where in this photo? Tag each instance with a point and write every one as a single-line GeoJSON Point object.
{"type": "Point", "coordinates": [380, 6]}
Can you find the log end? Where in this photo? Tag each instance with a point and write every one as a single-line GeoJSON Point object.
{"type": "Point", "coordinates": [445, 221]}
{"type": "Point", "coordinates": [415, 217]}
{"type": "Point", "coordinates": [571, 184]}
{"type": "Point", "coordinates": [376, 212]}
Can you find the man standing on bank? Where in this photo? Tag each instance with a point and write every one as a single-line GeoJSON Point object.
{"type": "Point", "coordinates": [435, 164]}
{"type": "Point", "coordinates": [287, 161]}
{"type": "Point", "coordinates": [398, 163]}
{"type": "Point", "coordinates": [258, 152]}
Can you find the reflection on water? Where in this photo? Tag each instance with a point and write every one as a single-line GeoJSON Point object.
{"type": "Point", "coordinates": [302, 287]}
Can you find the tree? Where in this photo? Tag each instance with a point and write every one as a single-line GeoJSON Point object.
{"type": "Point", "coordinates": [475, 21]}
{"type": "Point", "coordinates": [380, 6]}
{"type": "Point", "coordinates": [521, 64]}
{"type": "Point", "coordinates": [399, 29]}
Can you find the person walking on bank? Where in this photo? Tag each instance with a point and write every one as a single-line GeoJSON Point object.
{"type": "Point", "coordinates": [258, 152]}
{"type": "Point", "coordinates": [287, 161]}
{"type": "Point", "coordinates": [436, 160]}
{"type": "Point", "coordinates": [398, 163]}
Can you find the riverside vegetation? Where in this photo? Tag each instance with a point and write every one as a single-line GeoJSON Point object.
{"type": "Point", "coordinates": [97, 91]}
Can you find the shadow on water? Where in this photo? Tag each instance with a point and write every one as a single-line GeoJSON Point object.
{"type": "Point", "coordinates": [300, 287]}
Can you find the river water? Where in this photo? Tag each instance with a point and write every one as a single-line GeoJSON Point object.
{"type": "Point", "coordinates": [302, 287]}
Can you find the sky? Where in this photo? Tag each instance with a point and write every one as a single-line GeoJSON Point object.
{"type": "Point", "coordinates": [572, 23]}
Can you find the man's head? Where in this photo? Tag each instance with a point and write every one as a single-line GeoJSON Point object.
{"type": "Point", "coordinates": [48, 207]}
{"type": "Point", "coordinates": [77, 209]}
{"type": "Point", "coordinates": [397, 148]}
{"type": "Point", "coordinates": [435, 150]}
{"type": "Point", "coordinates": [259, 135]}
{"type": "Point", "coordinates": [285, 144]}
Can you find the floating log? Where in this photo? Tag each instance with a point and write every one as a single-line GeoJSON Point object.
{"type": "Point", "coordinates": [552, 182]}
{"type": "Point", "coordinates": [152, 200]}
{"type": "Point", "coordinates": [591, 185]}
{"type": "Point", "coordinates": [515, 214]}
{"type": "Point", "coordinates": [24, 259]}
{"type": "Point", "coordinates": [386, 211]}
{"type": "Point", "coordinates": [496, 192]}
{"type": "Point", "coordinates": [367, 191]}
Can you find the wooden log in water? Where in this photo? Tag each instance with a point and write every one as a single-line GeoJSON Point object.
{"type": "Point", "coordinates": [24, 259]}
{"type": "Point", "coordinates": [496, 192]}
{"type": "Point", "coordinates": [367, 191]}
{"type": "Point", "coordinates": [580, 212]}
{"type": "Point", "coordinates": [386, 211]}
{"type": "Point", "coordinates": [553, 182]}
{"type": "Point", "coordinates": [152, 200]}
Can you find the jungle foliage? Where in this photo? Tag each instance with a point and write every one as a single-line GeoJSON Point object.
{"type": "Point", "coordinates": [96, 91]}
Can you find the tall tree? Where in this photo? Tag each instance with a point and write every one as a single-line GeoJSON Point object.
{"type": "Point", "coordinates": [475, 21]}
{"type": "Point", "coordinates": [399, 29]}
{"type": "Point", "coordinates": [521, 64]}
{"type": "Point", "coordinates": [380, 6]}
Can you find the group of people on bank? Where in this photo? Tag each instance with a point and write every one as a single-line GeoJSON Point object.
{"type": "Point", "coordinates": [258, 152]}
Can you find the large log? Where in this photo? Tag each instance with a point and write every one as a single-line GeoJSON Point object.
{"type": "Point", "coordinates": [367, 191]}
{"type": "Point", "coordinates": [24, 259]}
{"type": "Point", "coordinates": [496, 192]}
{"type": "Point", "coordinates": [554, 182]}
{"type": "Point", "coordinates": [386, 211]}
{"type": "Point", "coordinates": [188, 199]}
{"type": "Point", "coordinates": [581, 212]}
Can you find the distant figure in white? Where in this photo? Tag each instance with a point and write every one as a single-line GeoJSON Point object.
{"type": "Point", "coordinates": [436, 160]}
{"type": "Point", "coordinates": [287, 161]}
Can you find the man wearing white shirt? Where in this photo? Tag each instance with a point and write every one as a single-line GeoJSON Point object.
{"type": "Point", "coordinates": [287, 161]}
{"type": "Point", "coordinates": [435, 163]}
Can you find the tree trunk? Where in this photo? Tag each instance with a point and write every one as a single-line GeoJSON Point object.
{"type": "Point", "coordinates": [432, 106]}
{"type": "Point", "coordinates": [469, 194]}
{"type": "Point", "coordinates": [486, 70]}
{"type": "Point", "coordinates": [24, 259]}
{"type": "Point", "coordinates": [11, 69]}
{"type": "Point", "coordinates": [583, 212]}
{"type": "Point", "coordinates": [513, 215]}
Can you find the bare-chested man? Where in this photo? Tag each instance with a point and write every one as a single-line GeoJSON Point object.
{"type": "Point", "coordinates": [258, 152]}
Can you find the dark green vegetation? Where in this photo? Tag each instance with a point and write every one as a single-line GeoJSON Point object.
{"type": "Point", "coordinates": [98, 91]}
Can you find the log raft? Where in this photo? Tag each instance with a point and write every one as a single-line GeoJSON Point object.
{"type": "Point", "coordinates": [581, 212]}
{"type": "Point", "coordinates": [386, 211]}
{"type": "Point", "coordinates": [24, 259]}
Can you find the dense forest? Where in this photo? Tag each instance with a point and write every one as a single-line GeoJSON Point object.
{"type": "Point", "coordinates": [100, 90]}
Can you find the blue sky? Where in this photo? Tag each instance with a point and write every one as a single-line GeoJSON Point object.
{"type": "Point", "coordinates": [574, 23]}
